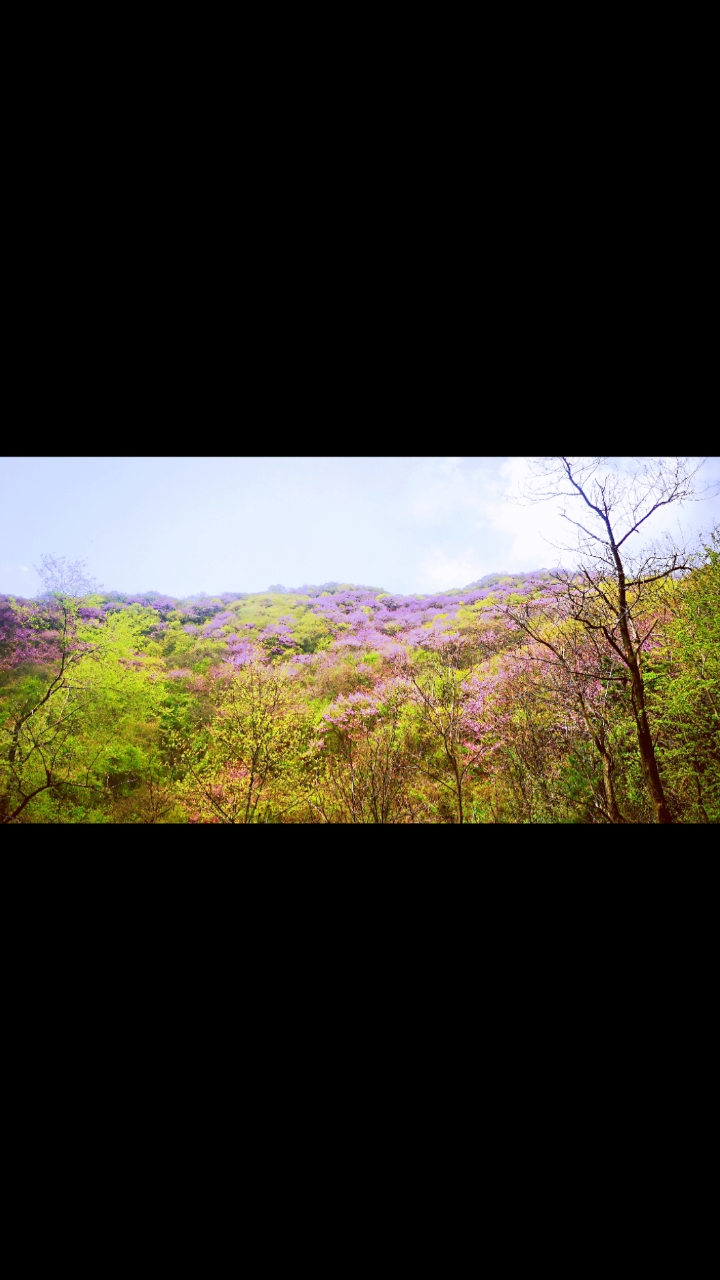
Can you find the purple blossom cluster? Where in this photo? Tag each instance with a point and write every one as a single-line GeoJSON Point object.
{"type": "Point", "coordinates": [356, 619]}
{"type": "Point", "coordinates": [388, 624]}
{"type": "Point", "coordinates": [29, 632]}
{"type": "Point", "coordinates": [242, 651]}
{"type": "Point", "coordinates": [359, 619]}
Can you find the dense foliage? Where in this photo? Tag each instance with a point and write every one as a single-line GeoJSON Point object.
{"type": "Point", "coordinates": [505, 702]}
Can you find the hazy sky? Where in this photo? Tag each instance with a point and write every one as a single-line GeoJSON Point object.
{"type": "Point", "coordinates": [182, 525]}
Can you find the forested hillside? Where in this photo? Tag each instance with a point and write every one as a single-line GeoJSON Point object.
{"type": "Point", "coordinates": [546, 698]}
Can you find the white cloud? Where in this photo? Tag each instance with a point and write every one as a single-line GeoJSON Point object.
{"type": "Point", "coordinates": [439, 571]}
{"type": "Point", "coordinates": [541, 537]}
{"type": "Point", "coordinates": [530, 530]}
{"type": "Point", "coordinates": [478, 502]}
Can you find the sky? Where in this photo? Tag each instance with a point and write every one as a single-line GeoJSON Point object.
{"type": "Point", "coordinates": [185, 525]}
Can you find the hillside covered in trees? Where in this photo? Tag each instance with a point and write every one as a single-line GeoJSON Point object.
{"type": "Point", "coordinates": [584, 697]}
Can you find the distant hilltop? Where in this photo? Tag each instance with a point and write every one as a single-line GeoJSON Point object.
{"type": "Point", "coordinates": [490, 580]}
{"type": "Point", "coordinates": [205, 605]}
{"type": "Point", "coordinates": [506, 579]}
{"type": "Point", "coordinates": [315, 588]}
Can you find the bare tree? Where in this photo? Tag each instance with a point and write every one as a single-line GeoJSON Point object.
{"type": "Point", "coordinates": [611, 590]}
{"type": "Point", "coordinates": [64, 580]}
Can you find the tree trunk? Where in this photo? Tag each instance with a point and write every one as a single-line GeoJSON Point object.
{"type": "Point", "coordinates": [650, 766]}
{"type": "Point", "coordinates": [608, 764]}
{"type": "Point", "coordinates": [458, 788]}
{"type": "Point", "coordinates": [612, 804]}
{"type": "Point", "coordinates": [644, 736]}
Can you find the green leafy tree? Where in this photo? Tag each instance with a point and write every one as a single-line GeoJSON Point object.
{"type": "Point", "coordinates": [442, 751]}
{"type": "Point", "coordinates": [683, 681]}
{"type": "Point", "coordinates": [40, 711]}
{"type": "Point", "coordinates": [361, 764]}
{"type": "Point", "coordinates": [245, 766]}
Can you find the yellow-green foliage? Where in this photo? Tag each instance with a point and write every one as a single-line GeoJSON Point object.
{"type": "Point", "coordinates": [150, 716]}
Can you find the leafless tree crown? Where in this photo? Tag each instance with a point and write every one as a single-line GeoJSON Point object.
{"type": "Point", "coordinates": [609, 500]}
{"type": "Point", "coordinates": [61, 577]}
